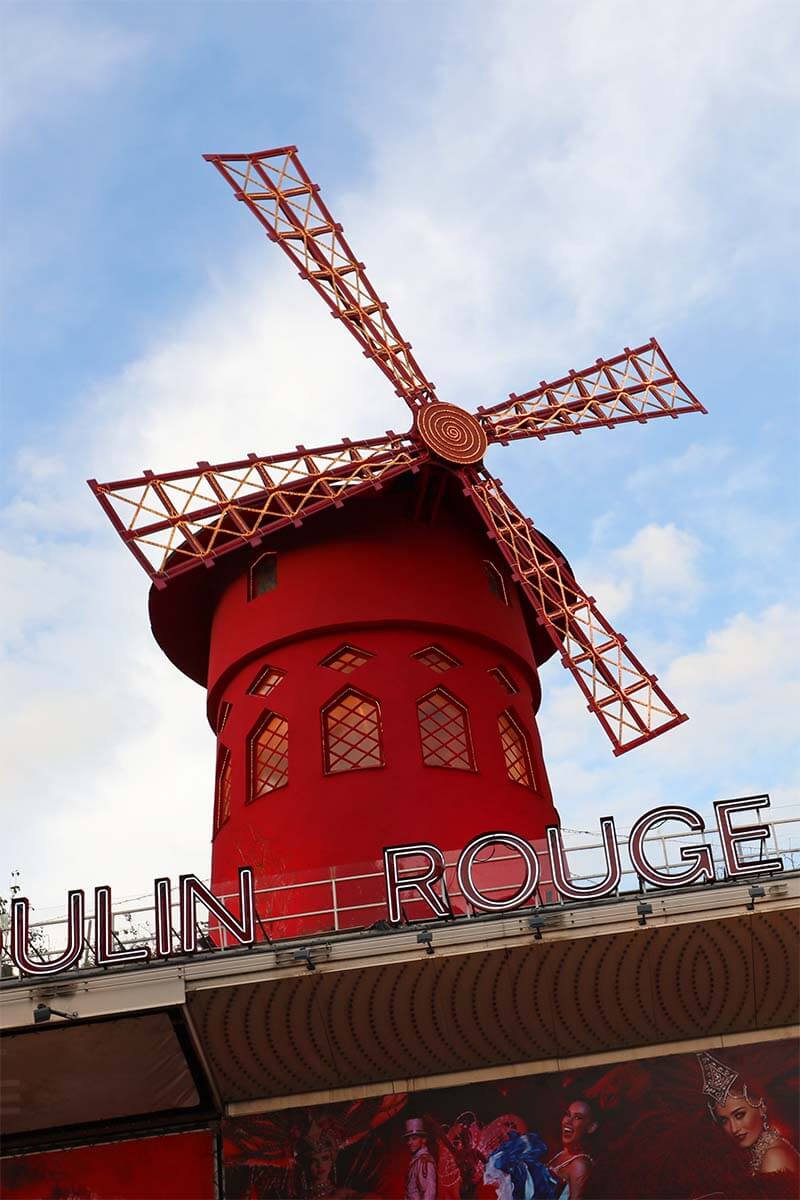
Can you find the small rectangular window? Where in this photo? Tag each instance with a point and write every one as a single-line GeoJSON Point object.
{"type": "Point", "coordinates": [263, 576]}
{"type": "Point", "coordinates": [504, 679]}
{"type": "Point", "coordinates": [266, 680]}
{"type": "Point", "coordinates": [222, 807]}
{"type": "Point", "coordinates": [497, 584]}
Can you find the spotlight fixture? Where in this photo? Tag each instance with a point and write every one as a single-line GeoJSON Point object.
{"type": "Point", "coordinates": [644, 910]}
{"type": "Point", "coordinates": [536, 923]}
{"type": "Point", "coordinates": [425, 938]}
{"type": "Point", "coordinates": [304, 954]}
{"type": "Point", "coordinates": [43, 1012]}
{"type": "Point", "coordinates": [755, 892]}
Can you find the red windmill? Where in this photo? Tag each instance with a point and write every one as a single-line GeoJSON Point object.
{"type": "Point", "coordinates": [372, 674]}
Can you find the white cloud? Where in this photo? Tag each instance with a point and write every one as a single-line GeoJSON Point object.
{"type": "Point", "coordinates": [741, 689]}
{"type": "Point", "coordinates": [658, 569]}
{"type": "Point", "coordinates": [48, 61]}
{"type": "Point", "coordinates": [663, 560]}
{"type": "Point", "coordinates": [695, 462]}
{"type": "Point", "coordinates": [745, 683]}
{"type": "Point", "coordinates": [712, 471]}
{"type": "Point", "coordinates": [570, 153]}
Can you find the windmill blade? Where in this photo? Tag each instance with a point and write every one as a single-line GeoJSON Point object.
{"type": "Point", "coordinates": [180, 520]}
{"type": "Point", "coordinates": [627, 701]}
{"type": "Point", "coordinates": [276, 188]}
{"type": "Point", "coordinates": [637, 385]}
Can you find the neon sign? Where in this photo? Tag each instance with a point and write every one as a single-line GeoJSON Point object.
{"type": "Point", "coordinates": [413, 871]}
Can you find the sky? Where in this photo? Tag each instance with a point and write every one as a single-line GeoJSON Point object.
{"type": "Point", "coordinates": [532, 186]}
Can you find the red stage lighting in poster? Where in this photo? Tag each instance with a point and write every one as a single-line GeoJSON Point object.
{"type": "Point", "coordinates": [644, 1129]}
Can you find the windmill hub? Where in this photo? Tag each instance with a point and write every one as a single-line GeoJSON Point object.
{"type": "Point", "coordinates": [452, 433]}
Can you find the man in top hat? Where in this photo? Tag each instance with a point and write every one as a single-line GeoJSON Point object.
{"type": "Point", "coordinates": [421, 1179]}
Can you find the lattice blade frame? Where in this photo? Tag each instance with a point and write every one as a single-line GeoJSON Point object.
{"type": "Point", "coordinates": [637, 385]}
{"type": "Point", "coordinates": [178, 520]}
{"type": "Point", "coordinates": [626, 699]}
{"type": "Point", "coordinates": [278, 191]}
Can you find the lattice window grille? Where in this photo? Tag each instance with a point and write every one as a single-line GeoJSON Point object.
{"type": "Point", "coordinates": [263, 575]}
{"type": "Point", "coordinates": [269, 756]}
{"type": "Point", "coordinates": [222, 805]}
{"type": "Point", "coordinates": [346, 659]}
{"type": "Point", "coordinates": [444, 732]}
{"type": "Point", "coordinates": [437, 659]}
{"type": "Point", "coordinates": [266, 681]}
{"type": "Point", "coordinates": [504, 679]}
{"type": "Point", "coordinates": [497, 584]}
{"type": "Point", "coordinates": [516, 750]}
{"type": "Point", "coordinates": [351, 733]}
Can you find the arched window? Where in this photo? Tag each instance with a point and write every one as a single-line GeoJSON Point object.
{"type": "Point", "coordinates": [352, 739]}
{"type": "Point", "coordinates": [516, 750]}
{"type": "Point", "coordinates": [263, 576]}
{"type": "Point", "coordinates": [497, 585]}
{"type": "Point", "coordinates": [222, 716]}
{"type": "Point", "coordinates": [444, 732]}
{"type": "Point", "coordinates": [268, 756]}
{"type": "Point", "coordinates": [222, 798]}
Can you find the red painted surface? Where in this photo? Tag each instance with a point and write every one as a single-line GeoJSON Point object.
{"type": "Point", "coordinates": [377, 578]}
{"type": "Point", "coordinates": [180, 1165]}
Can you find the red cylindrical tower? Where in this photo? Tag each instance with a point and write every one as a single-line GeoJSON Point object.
{"type": "Point", "coordinates": [372, 680]}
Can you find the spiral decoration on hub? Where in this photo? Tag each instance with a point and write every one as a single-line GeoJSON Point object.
{"type": "Point", "coordinates": [451, 433]}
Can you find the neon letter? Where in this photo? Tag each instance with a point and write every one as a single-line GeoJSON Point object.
{"type": "Point", "coordinates": [105, 954]}
{"type": "Point", "coordinates": [423, 884]}
{"type": "Point", "coordinates": [20, 932]}
{"type": "Point", "coordinates": [163, 889]}
{"type": "Point", "coordinates": [702, 863]}
{"type": "Point", "coordinates": [730, 838]}
{"type": "Point", "coordinates": [193, 890]}
{"type": "Point", "coordinates": [466, 862]}
{"type": "Point", "coordinates": [561, 875]}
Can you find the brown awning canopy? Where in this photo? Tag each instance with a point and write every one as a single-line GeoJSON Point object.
{"type": "Point", "coordinates": [450, 1012]}
{"type": "Point", "coordinates": [73, 1074]}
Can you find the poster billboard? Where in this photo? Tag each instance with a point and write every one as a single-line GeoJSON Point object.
{"type": "Point", "coordinates": [723, 1125]}
{"type": "Point", "coordinates": [180, 1165]}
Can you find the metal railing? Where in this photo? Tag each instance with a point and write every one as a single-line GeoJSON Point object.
{"type": "Point", "coordinates": [354, 898]}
